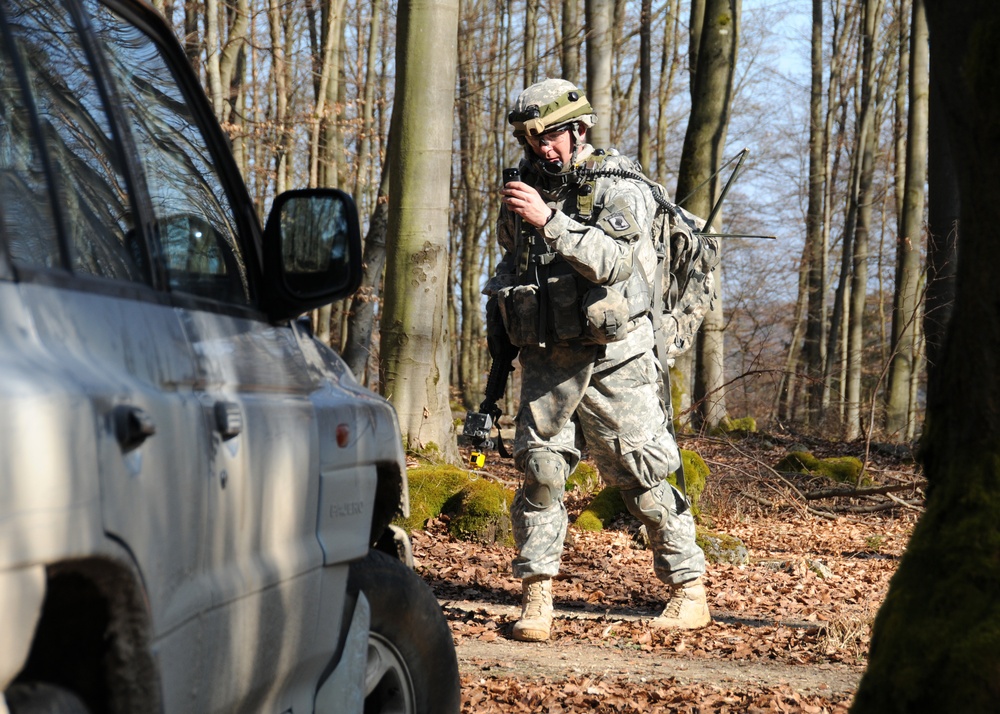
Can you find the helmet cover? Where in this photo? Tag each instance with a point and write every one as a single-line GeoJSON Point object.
{"type": "Point", "coordinates": [547, 105]}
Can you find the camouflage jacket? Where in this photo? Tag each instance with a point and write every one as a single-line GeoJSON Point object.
{"type": "Point", "coordinates": [601, 238]}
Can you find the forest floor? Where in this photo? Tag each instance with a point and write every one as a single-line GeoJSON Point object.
{"type": "Point", "coordinates": [790, 628]}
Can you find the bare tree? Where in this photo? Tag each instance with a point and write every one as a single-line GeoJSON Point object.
{"type": "Point", "coordinates": [572, 29]}
{"type": "Point", "coordinates": [599, 64]}
{"type": "Point", "coordinates": [866, 147]}
{"type": "Point", "coordinates": [899, 412]}
{"type": "Point", "coordinates": [704, 142]}
{"type": "Point", "coordinates": [415, 343]}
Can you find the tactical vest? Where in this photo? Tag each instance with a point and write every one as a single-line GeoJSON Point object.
{"type": "Point", "coordinates": [552, 303]}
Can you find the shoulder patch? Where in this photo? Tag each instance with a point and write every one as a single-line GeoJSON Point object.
{"type": "Point", "coordinates": [620, 223]}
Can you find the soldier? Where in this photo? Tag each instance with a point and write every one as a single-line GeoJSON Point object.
{"type": "Point", "coordinates": [573, 292]}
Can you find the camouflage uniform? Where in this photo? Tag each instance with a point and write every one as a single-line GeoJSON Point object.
{"type": "Point", "coordinates": [608, 394]}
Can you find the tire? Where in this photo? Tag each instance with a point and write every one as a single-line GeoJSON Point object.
{"type": "Point", "coordinates": [412, 666]}
{"type": "Point", "coordinates": [43, 698]}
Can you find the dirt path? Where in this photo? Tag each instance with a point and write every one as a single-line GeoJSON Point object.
{"type": "Point", "coordinates": [506, 658]}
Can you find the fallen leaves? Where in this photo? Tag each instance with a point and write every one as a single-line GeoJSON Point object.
{"type": "Point", "coordinates": [805, 601]}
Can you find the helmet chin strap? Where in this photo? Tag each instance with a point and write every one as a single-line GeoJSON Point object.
{"type": "Point", "coordinates": [555, 169]}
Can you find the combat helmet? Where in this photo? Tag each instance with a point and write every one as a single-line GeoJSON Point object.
{"type": "Point", "coordinates": [551, 104]}
{"type": "Point", "coordinates": [548, 105]}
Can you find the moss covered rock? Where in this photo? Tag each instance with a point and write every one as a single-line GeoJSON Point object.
{"type": "Point", "coordinates": [585, 478]}
{"type": "Point", "coordinates": [608, 504]}
{"type": "Point", "coordinates": [480, 512]}
{"type": "Point", "coordinates": [735, 427]}
{"type": "Point", "coordinates": [722, 548]}
{"type": "Point", "coordinates": [696, 475]}
{"type": "Point", "coordinates": [605, 507]}
{"type": "Point", "coordinates": [842, 469]}
{"type": "Point", "coordinates": [430, 487]}
{"type": "Point", "coordinates": [479, 509]}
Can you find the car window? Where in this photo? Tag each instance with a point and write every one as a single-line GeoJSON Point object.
{"type": "Point", "coordinates": [91, 184]}
{"type": "Point", "coordinates": [26, 218]}
{"type": "Point", "coordinates": [196, 223]}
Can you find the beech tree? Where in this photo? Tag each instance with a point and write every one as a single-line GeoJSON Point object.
{"type": "Point", "coordinates": [599, 63]}
{"type": "Point", "coordinates": [415, 342]}
{"type": "Point", "coordinates": [899, 407]}
{"type": "Point", "coordinates": [936, 640]}
{"type": "Point", "coordinates": [704, 142]}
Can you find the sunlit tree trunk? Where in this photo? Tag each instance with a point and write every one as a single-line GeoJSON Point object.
{"type": "Point", "coordinates": [816, 241]}
{"type": "Point", "coordinates": [899, 410]}
{"type": "Point", "coordinates": [866, 147]}
{"type": "Point", "coordinates": [936, 640]}
{"type": "Point", "coordinates": [361, 321]}
{"type": "Point", "coordinates": [704, 143]}
{"type": "Point", "coordinates": [530, 42]}
{"type": "Point", "coordinates": [415, 342]}
{"type": "Point", "coordinates": [472, 181]}
{"type": "Point", "coordinates": [645, 83]}
{"type": "Point", "coordinates": [366, 157]}
{"type": "Point", "coordinates": [572, 29]}
{"type": "Point", "coordinates": [328, 76]}
{"type": "Point", "coordinates": [280, 76]}
{"type": "Point", "coordinates": [669, 63]}
{"type": "Point", "coordinates": [599, 64]}
{"type": "Point", "coordinates": [192, 38]}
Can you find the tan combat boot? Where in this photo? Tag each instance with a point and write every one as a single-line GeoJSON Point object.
{"type": "Point", "coordinates": [687, 608]}
{"type": "Point", "coordinates": [536, 611]}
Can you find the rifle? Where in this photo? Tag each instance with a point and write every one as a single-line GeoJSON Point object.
{"type": "Point", "coordinates": [479, 425]}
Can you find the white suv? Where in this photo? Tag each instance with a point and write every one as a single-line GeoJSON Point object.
{"type": "Point", "coordinates": [195, 495]}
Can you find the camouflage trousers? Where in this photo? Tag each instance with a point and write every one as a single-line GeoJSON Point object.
{"type": "Point", "coordinates": [623, 423]}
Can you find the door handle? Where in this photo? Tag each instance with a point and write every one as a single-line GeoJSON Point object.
{"type": "Point", "coordinates": [228, 419]}
{"type": "Point", "coordinates": [132, 426]}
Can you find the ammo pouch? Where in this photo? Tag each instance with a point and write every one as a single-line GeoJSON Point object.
{"type": "Point", "coordinates": [519, 310]}
{"type": "Point", "coordinates": [574, 309]}
{"type": "Point", "coordinates": [606, 315]}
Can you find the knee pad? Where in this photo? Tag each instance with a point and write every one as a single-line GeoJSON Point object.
{"type": "Point", "coordinates": [651, 506]}
{"type": "Point", "coordinates": [545, 474]}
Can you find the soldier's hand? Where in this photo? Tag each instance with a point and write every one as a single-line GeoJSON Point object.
{"type": "Point", "coordinates": [524, 200]}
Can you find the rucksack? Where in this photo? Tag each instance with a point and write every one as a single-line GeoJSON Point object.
{"type": "Point", "coordinates": [683, 287]}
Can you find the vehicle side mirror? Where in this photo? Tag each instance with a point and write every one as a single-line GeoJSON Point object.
{"type": "Point", "coordinates": [312, 251]}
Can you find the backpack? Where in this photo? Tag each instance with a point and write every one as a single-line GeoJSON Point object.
{"type": "Point", "coordinates": [686, 285]}
{"type": "Point", "coordinates": [683, 286]}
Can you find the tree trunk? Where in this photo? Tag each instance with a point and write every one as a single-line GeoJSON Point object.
{"type": "Point", "coordinates": [936, 640]}
{"type": "Point", "coordinates": [365, 155]}
{"type": "Point", "coordinates": [232, 58]}
{"type": "Point", "coordinates": [570, 54]}
{"type": "Point", "coordinates": [943, 209]}
{"type": "Point", "coordinates": [899, 410]}
{"type": "Point", "coordinates": [815, 255]}
{"type": "Point", "coordinates": [669, 62]}
{"type": "Point", "coordinates": [599, 59]}
{"type": "Point", "coordinates": [645, 83]}
{"type": "Point", "coordinates": [280, 74]}
{"type": "Point", "coordinates": [328, 77]}
{"type": "Point", "coordinates": [530, 42]}
{"type": "Point", "coordinates": [866, 147]}
{"type": "Point", "coordinates": [361, 321]}
{"type": "Point", "coordinates": [415, 341]}
{"type": "Point", "coordinates": [704, 142]}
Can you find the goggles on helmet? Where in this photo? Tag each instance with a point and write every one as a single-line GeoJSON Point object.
{"type": "Point", "coordinates": [534, 120]}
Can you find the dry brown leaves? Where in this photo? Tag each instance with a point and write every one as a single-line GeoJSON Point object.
{"type": "Point", "coordinates": [806, 599]}
{"type": "Point", "coordinates": [574, 694]}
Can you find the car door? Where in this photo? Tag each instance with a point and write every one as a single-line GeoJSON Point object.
{"type": "Point", "coordinates": [262, 552]}
{"type": "Point", "coordinates": [106, 337]}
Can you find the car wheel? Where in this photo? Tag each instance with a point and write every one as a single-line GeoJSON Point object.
{"type": "Point", "coordinates": [43, 698]}
{"type": "Point", "coordinates": [412, 667]}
